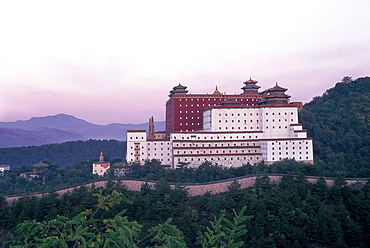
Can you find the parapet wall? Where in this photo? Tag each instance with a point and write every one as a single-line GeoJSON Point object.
{"type": "Point", "coordinates": [196, 189]}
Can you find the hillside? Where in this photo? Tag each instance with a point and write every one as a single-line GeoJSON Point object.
{"type": "Point", "coordinates": [339, 123]}
{"type": "Point", "coordinates": [65, 154]}
{"type": "Point", "coordinates": [61, 128]}
{"type": "Point", "coordinates": [292, 213]}
{"type": "Point", "coordinates": [11, 137]}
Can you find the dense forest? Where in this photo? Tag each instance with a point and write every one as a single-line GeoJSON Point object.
{"type": "Point", "coordinates": [56, 177]}
{"type": "Point", "coordinates": [339, 123]}
{"type": "Point", "coordinates": [64, 154]}
{"type": "Point", "coordinates": [292, 213]}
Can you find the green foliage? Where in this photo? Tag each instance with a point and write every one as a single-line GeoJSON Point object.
{"type": "Point", "coordinates": [107, 202]}
{"type": "Point", "coordinates": [82, 230]}
{"type": "Point", "coordinates": [291, 213]}
{"type": "Point", "coordinates": [208, 172]}
{"type": "Point", "coordinates": [151, 170]}
{"type": "Point", "coordinates": [167, 236]}
{"type": "Point", "coordinates": [225, 233]}
{"type": "Point", "coordinates": [64, 154]}
{"type": "Point", "coordinates": [339, 123]}
{"type": "Point", "coordinates": [54, 177]}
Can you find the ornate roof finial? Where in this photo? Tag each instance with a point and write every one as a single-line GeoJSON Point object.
{"type": "Point", "coordinates": [101, 157]}
{"type": "Point", "coordinates": [216, 92]}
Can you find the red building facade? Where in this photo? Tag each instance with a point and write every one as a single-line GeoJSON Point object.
{"type": "Point", "coordinates": [184, 112]}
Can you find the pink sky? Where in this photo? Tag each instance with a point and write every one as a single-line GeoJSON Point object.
{"type": "Point", "coordinates": [115, 61]}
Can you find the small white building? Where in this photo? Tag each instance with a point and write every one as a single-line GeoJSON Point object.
{"type": "Point", "coordinates": [3, 168]}
{"type": "Point", "coordinates": [100, 167]}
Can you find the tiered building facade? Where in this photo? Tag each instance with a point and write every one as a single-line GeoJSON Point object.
{"type": "Point", "coordinates": [231, 130]}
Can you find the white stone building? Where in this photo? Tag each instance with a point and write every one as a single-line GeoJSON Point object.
{"type": "Point", "coordinates": [101, 166]}
{"type": "Point", "coordinates": [233, 134]}
{"type": "Point", "coordinates": [3, 168]}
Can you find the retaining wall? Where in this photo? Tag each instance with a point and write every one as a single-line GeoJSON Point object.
{"type": "Point", "coordinates": [195, 189]}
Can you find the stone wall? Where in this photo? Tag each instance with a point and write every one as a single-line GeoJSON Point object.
{"type": "Point", "coordinates": [195, 189]}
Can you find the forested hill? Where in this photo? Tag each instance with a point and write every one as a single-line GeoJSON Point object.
{"type": "Point", "coordinates": [68, 153]}
{"type": "Point", "coordinates": [339, 123]}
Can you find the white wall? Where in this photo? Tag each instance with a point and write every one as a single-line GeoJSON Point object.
{"type": "Point", "coordinates": [297, 149]}
{"type": "Point", "coordinates": [136, 147]}
{"type": "Point", "coordinates": [232, 137]}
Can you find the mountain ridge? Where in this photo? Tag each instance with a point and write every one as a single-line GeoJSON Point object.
{"type": "Point", "coordinates": [41, 130]}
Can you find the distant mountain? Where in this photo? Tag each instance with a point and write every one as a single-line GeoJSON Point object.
{"type": "Point", "coordinates": [60, 128]}
{"type": "Point", "coordinates": [60, 121]}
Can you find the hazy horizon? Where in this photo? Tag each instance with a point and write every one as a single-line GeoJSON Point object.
{"type": "Point", "coordinates": [116, 61]}
{"type": "Point", "coordinates": [52, 115]}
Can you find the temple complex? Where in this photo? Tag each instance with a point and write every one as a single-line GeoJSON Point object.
{"type": "Point", "coordinates": [227, 129]}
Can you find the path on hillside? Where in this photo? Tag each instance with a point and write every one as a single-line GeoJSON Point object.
{"type": "Point", "coordinates": [194, 189]}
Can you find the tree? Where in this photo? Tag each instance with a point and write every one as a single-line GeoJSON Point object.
{"type": "Point", "coordinates": [167, 236]}
{"type": "Point", "coordinates": [225, 233]}
{"type": "Point", "coordinates": [84, 230]}
{"type": "Point", "coordinates": [346, 79]}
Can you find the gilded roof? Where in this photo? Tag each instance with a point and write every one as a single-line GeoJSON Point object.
{"type": "Point", "coordinates": [277, 88]}
{"type": "Point", "coordinates": [251, 81]}
{"type": "Point", "coordinates": [179, 86]}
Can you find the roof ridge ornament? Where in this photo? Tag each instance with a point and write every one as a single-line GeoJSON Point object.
{"type": "Point", "coordinates": [217, 92]}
